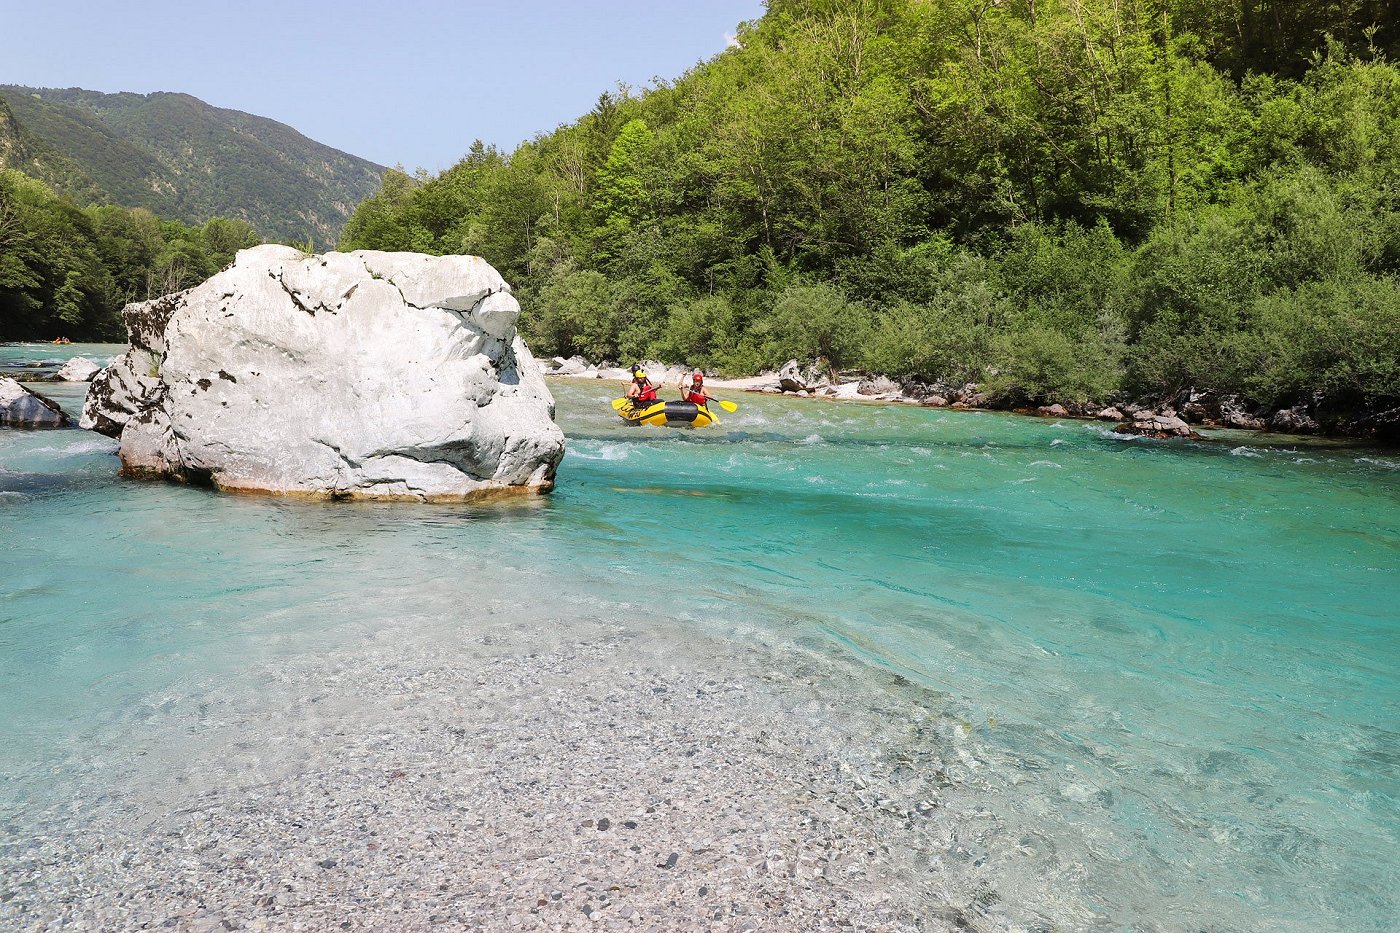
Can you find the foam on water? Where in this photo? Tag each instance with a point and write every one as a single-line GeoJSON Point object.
{"type": "Point", "coordinates": [1170, 672]}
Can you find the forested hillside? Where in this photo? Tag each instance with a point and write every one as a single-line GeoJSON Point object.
{"type": "Point", "coordinates": [67, 271]}
{"type": "Point", "coordinates": [179, 157]}
{"type": "Point", "coordinates": [1058, 199]}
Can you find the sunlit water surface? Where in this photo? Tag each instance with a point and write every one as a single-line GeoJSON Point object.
{"type": "Point", "coordinates": [1180, 661]}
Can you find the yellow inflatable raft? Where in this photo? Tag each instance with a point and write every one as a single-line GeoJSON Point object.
{"type": "Point", "coordinates": [674, 414]}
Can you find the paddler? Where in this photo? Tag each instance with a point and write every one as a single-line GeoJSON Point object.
{"type": "Point", "coordinates": [695, 392]}
{"type": "Point", "coordinates": [640, 389]}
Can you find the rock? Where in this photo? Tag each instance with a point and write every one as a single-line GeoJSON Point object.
{"type": "Point", "coordinates": [23, 408]}
{"type": "Point", "coordinates": [879, 385]}
{"type": "Point", "coordinates": [847, 390]}
{"type": "Point", "coordinates": [1052, 411]}
{"type": "Point", "coordinates": [1150, 425]}
{"type": "Point", "coordinates": [968, 396]}
{"type": "Point", "coordinates": [795, 378]}
{"type": "Point", "coordinates": [1110, 414]}
{"type": "Point", "coordinates": [1293, 421]}
{"type": "Point", "coordinates": [573, 366]}
{"type": "Point", "coordinates": [77, 370]}
{"type": "Point", "coordinates": [933, 401]}
{"type": "Point", "coordinates": [348, 375]}
{"type": "Point", "coordinates": [1382, 425]}
{"type": "Point", "coordinates": [1233, 414]}
{"type": "Point", "coordinates": [662, 374]}
{"type": "Point", "coordinates": [1197, 407]}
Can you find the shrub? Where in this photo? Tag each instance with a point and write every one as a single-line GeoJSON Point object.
{"type": "Point", "coordinates": [813, 322]}
{"type": "Point", "coordinates": [1340, 337]}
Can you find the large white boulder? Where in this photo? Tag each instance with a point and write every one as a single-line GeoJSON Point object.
{"type": "Point", "coordinates": [77, 369]}
{"type": "Point", "coordinates": [346, 375]}
{"type": "Point", "coordinates": [20, 407]}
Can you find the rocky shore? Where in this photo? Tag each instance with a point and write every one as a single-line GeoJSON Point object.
{"type": "Point", "coordinates": [1177, 416]}
{"type": "Point", "coordinates": [520, 780]}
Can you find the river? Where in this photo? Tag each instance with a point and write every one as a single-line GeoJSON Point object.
{"type": "Point", "coordinates": [1166, 673]}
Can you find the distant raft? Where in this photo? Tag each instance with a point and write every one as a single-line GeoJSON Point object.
{"type": "Point", "coordinates": [674, 414]}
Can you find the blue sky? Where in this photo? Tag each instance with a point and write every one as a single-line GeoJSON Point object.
{"type": "Point", "coordinates": [412, 82]}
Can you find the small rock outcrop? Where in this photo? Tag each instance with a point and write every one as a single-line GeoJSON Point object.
{"type": "Point", "coordinates": [77, 370]}
{"type": "Point", "coordinates": [1293, 421]}
{"type": "Point", "coordinates": [793, 377]}
{"type": "Point", "coordinates": [23, 408]}
{"type": "Point", "coordinates": [1154, 425]}
{"type": "Point", "coordinates": [1052, 411]}
{"type": "Point", "coordinates": [350, 375]}
{"type": "Point", "coordinates": [1233, 414]}
{"type": "Point", "coordinates": [573, 366]}
{"type": "Point", "coordinates": [879, 385]}
{"type": "Point", "coordinates": [1110, 414]}
{"type": "Point", "coordinates": [1382, 426]}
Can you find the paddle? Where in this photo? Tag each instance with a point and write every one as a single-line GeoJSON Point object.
{"type": "Point", "coordinates": [617, 404]}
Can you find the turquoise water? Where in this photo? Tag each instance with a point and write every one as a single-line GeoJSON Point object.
{"type": "Point", "coordinates": [1178, 664]}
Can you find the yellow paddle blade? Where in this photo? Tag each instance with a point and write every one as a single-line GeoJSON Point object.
{"type": "Point", "coordinates": [619, 402]}
{"type": "Point", "coordinates": [727, 406]}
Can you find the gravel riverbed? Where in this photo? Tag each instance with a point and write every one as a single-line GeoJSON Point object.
{"type": "Point", "coordinates": [522, 778]}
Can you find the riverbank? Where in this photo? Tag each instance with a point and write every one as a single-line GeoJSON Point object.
{"type": "Point", "coordinates": [1175, 417]}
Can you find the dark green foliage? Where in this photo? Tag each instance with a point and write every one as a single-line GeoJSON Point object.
{"type": "Point", "coordinates": [67, 272]}
{"type": "Point", "coordinates": [1338, 337]}
{"type": "Point", "coordinates": [1059, 200]}
{"type": "Point", "coordinates": [179, 157]}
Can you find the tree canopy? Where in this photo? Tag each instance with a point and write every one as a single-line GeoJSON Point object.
{"type": "Point", "coordinates": [1060, 199]}
{"type": "Point", "coordinates": [67, 271]}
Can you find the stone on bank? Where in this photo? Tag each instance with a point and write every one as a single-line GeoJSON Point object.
{"type": "Point", "coordinates": [365, 375]}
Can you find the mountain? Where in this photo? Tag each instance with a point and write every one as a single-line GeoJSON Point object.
{"type": "Point", "coordinates": [181, 157]}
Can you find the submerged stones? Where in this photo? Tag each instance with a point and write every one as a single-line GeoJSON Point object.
{"type": "Point", "coordinates": [365, 375]}
{"type": "Point", "coordinates": [23, 408]}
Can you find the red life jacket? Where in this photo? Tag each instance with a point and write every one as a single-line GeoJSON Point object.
{"type": "Point", "coordinates": [696, 397]}
{"type": "Point", "coordinates": [647, 393]}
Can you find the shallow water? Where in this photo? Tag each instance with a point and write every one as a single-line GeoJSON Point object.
{"type": "Point", "coordinates": [26, 361]}
{"type": "Point", "coordinates": [1176, 664]}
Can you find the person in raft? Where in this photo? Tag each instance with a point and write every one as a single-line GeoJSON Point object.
{"type": "Point", "coordinates": [641, 390]}
{"type": "Point", "coordinates": [695, 392]}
